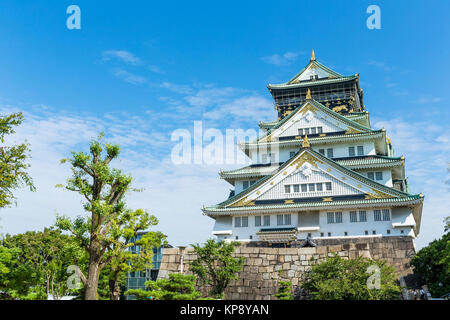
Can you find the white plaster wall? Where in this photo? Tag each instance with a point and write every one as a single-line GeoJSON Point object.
{"type": "Point", "coordinates": [353, 229]}
{"type": "Point", "coordinates": [387, 176]}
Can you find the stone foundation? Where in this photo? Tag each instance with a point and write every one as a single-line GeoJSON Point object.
{"type": "Point", "coordinates": [264, 266]}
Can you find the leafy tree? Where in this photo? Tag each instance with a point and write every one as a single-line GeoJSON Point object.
{"type": "Point", "coordinates": [38, 263]}
{"type": "Point", "coordinates": [13, 166]}
{"type": "Point", "coordinates": [177, 287]}
{"type": "Point", "coordinates": [216, 266]}
{"type": "Point", "coordinates": [433, 263]}
{"type": "Point", "coordinates": [106, 230]}
{"type": "Point", "coordinates": [124, 235]}
{"type": "Point", "coordinates": [337, 278]}
{"type": "Point", "coordinates": [284, 292]}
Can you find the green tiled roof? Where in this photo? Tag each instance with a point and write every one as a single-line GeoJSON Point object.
{"type": "Point", "coordinates": [352, 163]}
{"type": "Point", "coordinates": [410, 199]}
{"type": "Point", "coordinates": [311, 83]}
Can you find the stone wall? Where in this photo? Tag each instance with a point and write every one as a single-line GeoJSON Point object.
{"type": "Point", "coordinates": [265, 266]}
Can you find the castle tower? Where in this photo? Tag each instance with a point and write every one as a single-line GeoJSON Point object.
{"type": "Point", "coordinates": [319, 171]}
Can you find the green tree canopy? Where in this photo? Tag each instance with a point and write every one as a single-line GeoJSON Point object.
{"type": "Point", "coordinates": [177, 287]}
{"type": "Point", "coordinates": [337, 278]}
{"type": "Point", "coordinates": [13, 165]}
{"type": "Point", "coordinates": [433, 263]}
{"type": "Point", "coordinates": [216, 266]}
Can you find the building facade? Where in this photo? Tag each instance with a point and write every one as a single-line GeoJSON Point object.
{"type": "Point", "coordinates": [319, 171]}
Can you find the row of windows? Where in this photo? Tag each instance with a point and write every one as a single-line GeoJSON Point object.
{"type": "Point", "coordinates": [359, 150]}
{"type": "Point", "coordinates": [329, 152]}
{"type": "Point", "coordinates": [282, 220]}
{"type": "Point", "coordinates": [361, 216]}
{"type": "Point", "coordinates": [366, 232]}
{"type": "Point", "coordinates": [307, 187]}
{"type": "Point", "coordinates": [308, 131]}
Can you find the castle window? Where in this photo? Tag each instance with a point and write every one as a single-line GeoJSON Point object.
{"type": "Point", "coordinates": [322, 151]}
{"type": "Point", "coordinates": [321, 234]}
{"type": "Point", "coordinates": [306, 131]}
{"type": "Point", "coordinates": [353, 217]}
{"type": "Point", "coordinates": [338, 217]}
{"type": "Point", "coordinates": [313, 130]}
{"type": "Point", "coordinates": [345, 233]}
{"type": "Point", "coordinates": [362, 216]}
{"type": "Point", "coordinates": [312, 187]}
{"type": "Point", "coordinates": [371, 175]}
{"type": "Point", "coordinates": [319, 130]}
{"type": "Point", "coordinates": [237, 222]}
{"type": "Point", "coordinates": [257, 221]}
{"type": "Point", "coordinates": [245, 184]}
{"type": "Point", "coordinates": [237, 237]}
{"type": "Point", "coordinates": [328, 186]}
{"type": "Point", "coordinates": [366, 232]}
{"type": "Point", "coordinates": [280, 220]}
{"type": "Point", "coordinates": [330, 217]}
{"type": "Point", "coordinates": [360, 150]}
{"type": "Point", "coordinates": [402, 231]}
{"type": "Point", "coordinates": [296, 188]}
{"type": "Point", "coordinates": [252, 182]}
{"type": "Point", "coordinates": [309, 235]}
{"type": "Point", "coordinates": [386, 215]}
{"type": "Point", "coordinates": [304, 187]}
{"type": "Point", "coordinates": [244, 222]}
{"type": "Point", "coordinates": [329, 234]}
{"type": "Point", "coordinates": [388, 231]}
{"type": "Point", "coordinates": [330, 153]}
{"type": "Point", "coordinates": [377, 215]}
{"type": "Point", "coordinates": [287, 188]}
{"type": "Point", "coordinates": [287, 219]}
{"type": "Point", "coordinates": [319, 186]}
{"type": "Point", "coordinates": [300, 132]}
{"type": "Point", "coordinates": [266, 221]}
{"type": "Point", "coordinates": [379, 176]}
{"type": "Point", "coordinates": [251, 237]}
{"type": "Point", "coordinates": [351, 151]}
{"type": "Point", "coordinates": [374, 232]}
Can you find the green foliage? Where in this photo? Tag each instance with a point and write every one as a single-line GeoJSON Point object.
{"type": "Point", "coordinates": [337, 278]}
{"type": "Point", "coordinates": [433, 263]}
{"type": "Point", "coordinates": [36, 264]}
{"type": "Point", "coordinates": [109, 227]}
{"type": "Point", "coordinates": [284, 291]}
{"type": "Point", "coordinates": [216, 266]}
{"type": "Point", "coordinates": [13, 166]}
{"type": "Point", "coordinates": [177, 287]}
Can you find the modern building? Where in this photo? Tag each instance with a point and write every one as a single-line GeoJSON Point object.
{"type": "Point", "coordinates": [319, 171]}
{"type": "Point", "coordinates": [137, 279]}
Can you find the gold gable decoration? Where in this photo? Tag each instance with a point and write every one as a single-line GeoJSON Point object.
{"type": "Point", "coordinates": [243, 203]}
{"type": "Point", "coordinates": [307, 108]}
{"type": "Point", "coordinates": [351, 131]}
{"type": "Point", "coordinates": [313, 56]}
{"type": "Point", "coordinates": [306, 157]}
{"type": "Point", "coordinates": [305, 143]}
{"type": "Point", "coordinates": [377, 195]}
{"type": "Point", "coordinates": [308, 94]}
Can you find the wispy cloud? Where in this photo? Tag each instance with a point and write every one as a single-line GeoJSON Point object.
{"type": "Point", "coordinates": [427, 153]}
{"type": "Point", "coordinates": [129, 77]}
{"type": "Point", "coordinates": [122, 55]}
{"type": "Point", "coordinates": [281, 59]}
{"type": "Point", "coordinates": [381, 65]}
{"type": "Point", "coordinates": [428, 100]}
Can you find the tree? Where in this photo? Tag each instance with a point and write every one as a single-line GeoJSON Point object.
{"type": "Point", "coordinates": [124, 235]}
{"type": "Point", "coordinates": [337, 278]}
{"type": "Point", "coordinates": [38, 264]}
{"type": "Point", "coordinates": [284, 292]}
{"type": "Point", "coordinates": [104, 230]}
{"type": "Point", "coordinates": [13, 166]}
{"type": "Point", "coordinates": [433, 263]}
{"type": "Point", "coordinates": [177, 287]}
{"type": "Point", "coordinates": [216, 266]}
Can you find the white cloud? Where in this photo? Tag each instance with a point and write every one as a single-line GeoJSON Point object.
{"type": "Point", "coordinates": [129, 77]}
{"type": "Point", "coordinates": [122, 55]}
{"type": "Point", "coordinates": [281, 59]}
{"type": "Point", "coordinates": [427, 153]}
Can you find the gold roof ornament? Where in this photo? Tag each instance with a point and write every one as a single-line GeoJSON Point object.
{"type": "Point", "coordinates": [308, 94]}
{"type": "Point", "coordinates": [305, 143]}
{"type": "Point", "coordinates": [313, 56]}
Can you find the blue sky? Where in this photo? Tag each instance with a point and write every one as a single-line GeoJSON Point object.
{"type": "Point", "coordinates": [139, 71]}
